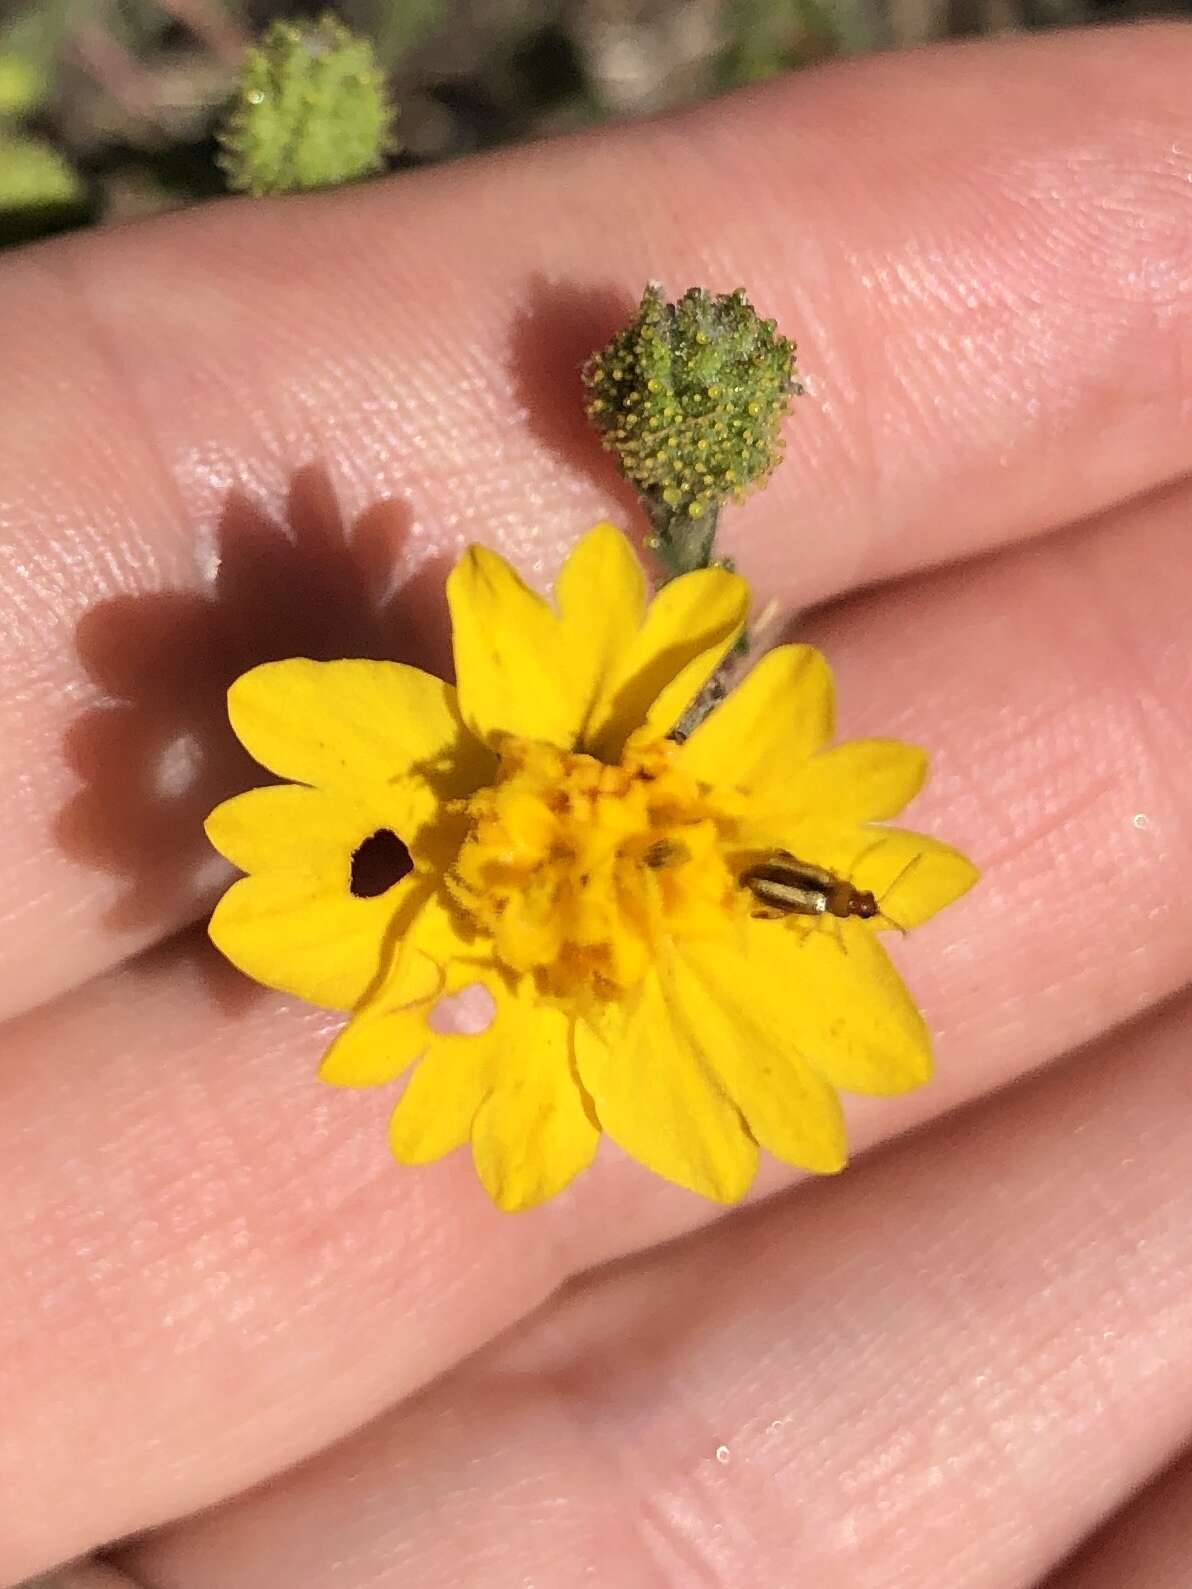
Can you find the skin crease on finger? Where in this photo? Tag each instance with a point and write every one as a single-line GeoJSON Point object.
{"type": "Point", "coordinates": [216, 1259]}
{"type": "Point", "coordinates": [198, 413]}
{"type": "Point", "coordinates": [1149, 1543]}
{"type": "Point", "coordinates": [945, 1370]}
{"type": "Point", "coordinates": [85, 1575]}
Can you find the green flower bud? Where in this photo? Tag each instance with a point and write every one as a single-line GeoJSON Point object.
{"type": "Point", "coordinates": [312, 111]}
{"type": "Point", "coordinates": [690, 397]}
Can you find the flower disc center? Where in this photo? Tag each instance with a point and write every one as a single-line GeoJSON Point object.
{"type": "Point", "coordinates": [579, 869]}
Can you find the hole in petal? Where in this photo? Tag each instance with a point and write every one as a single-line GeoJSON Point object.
{"type": "Point", "coordinates": [378, 863]}
{"type": "Point", "coordinates": [467, 1012]}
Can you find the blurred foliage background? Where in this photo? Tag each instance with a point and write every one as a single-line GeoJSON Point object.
{"type": "Point", "coordinates": [108, 107]}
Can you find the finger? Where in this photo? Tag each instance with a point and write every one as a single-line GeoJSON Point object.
{"type": "Point", "coordinates": [216, 1244]}
{"type": "Point", "coordinates": [944, 1369]}
{"type": "Point", "coordinates": [1055, 683]}
{"type": "Point", "coordinates": [1148, 1542]}
{"type": "Point", "coordinates": [996, 345]}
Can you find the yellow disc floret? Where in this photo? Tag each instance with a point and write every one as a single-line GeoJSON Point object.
{"type": "Point", "coordinates": [577, 868]}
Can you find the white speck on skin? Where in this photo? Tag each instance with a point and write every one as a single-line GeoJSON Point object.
{"type": "Point", "coordinates": [722, 1454]}
{"type": "Point", "coordinates": [178, 767]}
{"type": "Point", "coordinates": [1141, 820]}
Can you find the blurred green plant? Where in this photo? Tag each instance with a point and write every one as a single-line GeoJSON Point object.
{"type": "Point", "coordinates": [24, 88]}
{"type": "Point", "coordinates": [765, 37]}
{"type": "Point", "coordinates": [33, 172]}
{"type": "Point", "coordinates": [40, 191]}
{"type": "Point", "coordinates": [312, 111]}
{"type": "Point", "coordinates": [31, 41]}
{"type": "Point", "coordinates": [121, 100]}
{"type": "Point", "coordinates": [401, 24]}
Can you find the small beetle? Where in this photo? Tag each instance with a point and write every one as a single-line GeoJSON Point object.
{"type": "Point", "coordinates": [785, 886]}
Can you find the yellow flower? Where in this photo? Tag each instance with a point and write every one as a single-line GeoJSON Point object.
{"type": "Point", "coordinates": [661, 967]}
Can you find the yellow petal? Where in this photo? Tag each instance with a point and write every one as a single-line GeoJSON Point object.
{"type": "Point", "coordinates": [601, 594]}
{"type": "Point", "coordinates": [829, 990]}
{"type": "Point", "coordinates": [376, 1046]}
{"type": "Point", "coordinates": [450, 1082]}
{"type": "Point", "coordinates": [533, 1133]}
{"type": "Point", "coordinates": [861, 780]}
{"type": "Point", "coordinates": [761, 736]}
{"type": "Point", "coordinates": [913, 876]}
{"type": "Point", "coordinates": [391, 1026]}
{"type": "Point", "coordinates": [354, 726]}
{"type": "Point", "coordinates": [439, 937]}
{"type": "Point", "coordinates": [688, 630]}
{"type": "Point", "coordinates": [656, 1096]}
{"type": "Point", "coordinates": [510, 664]}
{"type": "Point", "coordinates": [302, 935]}
{"type": "Point", "coordinates": [288, 827]}
{"type": "Point", "coordinates": [787, 1105]}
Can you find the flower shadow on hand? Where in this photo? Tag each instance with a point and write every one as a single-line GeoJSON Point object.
{"type": "Point", "coordinates": [558, 328]}
{"type": "Point", "coordinates": [159, 754]}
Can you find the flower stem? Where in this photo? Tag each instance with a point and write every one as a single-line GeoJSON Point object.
{"type": "Point", "coordinates": [681, 543]}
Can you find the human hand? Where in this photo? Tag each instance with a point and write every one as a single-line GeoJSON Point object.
{"type": "Point", "coordinates": [952, 1365]}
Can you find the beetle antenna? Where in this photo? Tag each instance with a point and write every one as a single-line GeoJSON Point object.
{"type": "Point", "coordinates": [892, 885]}
{"type": "Point", "coordinates": [866, 852]}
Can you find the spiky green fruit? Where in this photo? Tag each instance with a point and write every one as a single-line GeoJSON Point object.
{"type": "Point", "coordinates": [690, 398]}
{"type": "Point", "coordinates": [311, 111]}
